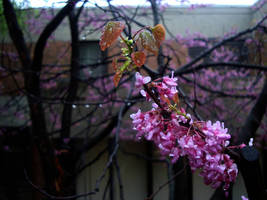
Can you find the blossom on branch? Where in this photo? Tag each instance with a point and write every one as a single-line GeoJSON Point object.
{"type": "Point", "coordinates": [176, 134]}
{"type": "Point", "coordinates": [141, 80]}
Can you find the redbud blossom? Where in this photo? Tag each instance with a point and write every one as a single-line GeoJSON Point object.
{"type": "Point", "coordinates": [176, 134]}
{"type": "Point", "coordinates": [141, 80]}
{"type": "Point", "coordinates": [244, 198]}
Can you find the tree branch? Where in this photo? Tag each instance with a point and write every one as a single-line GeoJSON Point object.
{"type": "Point", "coordinates": [16, 34]}
{"type": "Point", "coordinates": [254, 118]}
{"type": "Point", "coordinates": [74, 72]}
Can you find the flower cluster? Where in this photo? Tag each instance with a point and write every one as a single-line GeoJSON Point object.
{"type": "Point", "coordinates": [176, 134]}
{"type": "Point", "coordinates": [244, 198]}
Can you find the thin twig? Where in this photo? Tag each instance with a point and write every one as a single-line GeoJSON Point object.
{"type": "Point", "coordinates": [166, 183]}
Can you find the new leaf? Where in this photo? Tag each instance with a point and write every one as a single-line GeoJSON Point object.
{"type": "Point", "coordinates": [111, 32]}
{"type": "Point", "coordinates": [159, 34]}
{"type": "Point", "coordinates": [139, 58]}
{"type": "Point", "coordinates": [148, 42]}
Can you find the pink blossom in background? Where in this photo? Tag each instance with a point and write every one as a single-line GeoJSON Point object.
{"type": "Point", "coordinates": [195, 6]}
{"type": "Point", "coordinates": [6, 148]}
{"type": "Point", "coordinates": [244, 198]}
{"type": "Point", "coordinates": [259, 4]}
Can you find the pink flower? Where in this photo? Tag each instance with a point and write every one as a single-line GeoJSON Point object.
{"type": "Point", "coordinates": [145, 94]}
{"type": "Point", "coordinates": [141, 80]}
{"type": "Point", "coordinates": [170, 81]}
{"type": "Point", "coordinates": [244, 198]}
{"type": "Point", "coordinates": [167, 87]}
{"type": "Point", "coordinates": [66, 140]}
{"type": "Point", "coordinates": [176, 134]}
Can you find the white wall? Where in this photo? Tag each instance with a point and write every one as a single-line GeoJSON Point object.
{"type": "Point", "coordinates": [210, 21]}
{"type": "Point", "coordinates": [133, 174]}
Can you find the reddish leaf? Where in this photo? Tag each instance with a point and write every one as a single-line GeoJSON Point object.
{"type": "Point", "coordinates": [176, 99]}
{"type": "Point", "coordinates": [148, 42]}
{"type": "Point", "coordinates": [159, 34]}
{"type": "Point", "coordinates": [58, 179]}
{"type": "Point", "coordinates": [114, 64]}
{"type": "Point", "coordinates": [57, 185]}
{"type": "Point", "coordinates": [139, 58]}
{"type": "Point", "coordinates": [111, 32]}
{"type": "Point", "coordinates": [117, 77]}
{"type": "Point", "coordinates": [59, 168]}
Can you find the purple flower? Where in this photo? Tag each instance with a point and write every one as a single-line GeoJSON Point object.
{"type": "Point", "coordinates": [141, 80]}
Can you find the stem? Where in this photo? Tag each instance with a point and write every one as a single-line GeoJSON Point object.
{"type": "Point", "coordinates": [172, 107]}
{"type": "Point", "coordinates": [149, 91]}
{"type": "Point", "coordinates": [123, 39]}
{"type": "Point", "coordinates": [146, 27]}
{"type": "Point", "coordinates": [129, 46]}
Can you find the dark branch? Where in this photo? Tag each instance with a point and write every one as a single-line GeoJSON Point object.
{"type": "Point", "coordinates": [73, 85]}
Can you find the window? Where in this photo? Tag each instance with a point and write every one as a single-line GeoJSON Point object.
{"type": "Point", "coordinates": [91, 58]}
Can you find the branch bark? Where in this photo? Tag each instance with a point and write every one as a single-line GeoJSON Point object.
{"type": "Point", "coordinates": [254, 118]}
{"type": "Point", "coordinates": [32, 69]}
{"type": "Point", "coordinates": [74, 73]}
{"type": "Point", "coordinates": [249, 164]}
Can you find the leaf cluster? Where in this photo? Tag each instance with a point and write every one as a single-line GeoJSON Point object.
{"type": "Point", "coordinates": [150, 39]}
